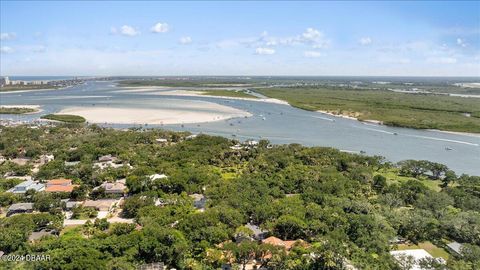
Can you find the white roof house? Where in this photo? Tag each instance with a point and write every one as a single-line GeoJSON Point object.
{"type": "Point", "coordinates": [190, 137]}
{"type": "Point", "coordinates": [236, 147]}
{"type": "Point", "coordinates": [46, 158]}
{"type": "Point", "coordinates": [26, 185]}
{"type": "Point", "coordinates": [157, 176]}
{"type": "Point", "coordinates": [456, 247]}
{"type": "Point", "coordinates": [416, 255]}
{"type": "Point", "coordinates": [251, 142]}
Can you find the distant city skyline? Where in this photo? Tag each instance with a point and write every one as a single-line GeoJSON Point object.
{"type": "Point", "coordinates": [240, 38]}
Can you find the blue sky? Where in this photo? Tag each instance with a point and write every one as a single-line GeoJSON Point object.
{"type": "Point", "coordinates": [240, 38]}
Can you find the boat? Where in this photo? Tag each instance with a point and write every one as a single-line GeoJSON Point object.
{"type": "Point", "coordinates": [448, 148]}
{"type": "Point", "coordinates": [395, 133]}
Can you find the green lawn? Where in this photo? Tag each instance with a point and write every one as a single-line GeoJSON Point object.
{"type": "Point", "coordinates": [393, 177]}
{"type": "Point", "coordinates": [227, 93]}
{"type": "Point", "coordinates": [427, 246]}
{"type": "Point", "coordinates": [68, 118]}
{"type": "Point", "coordinates": [395, 109]}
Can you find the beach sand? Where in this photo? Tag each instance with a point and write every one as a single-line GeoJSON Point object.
{"type": "Point", "coordinates": [204, 112]}
{"type": "Point", "coordinates": [169, 91]}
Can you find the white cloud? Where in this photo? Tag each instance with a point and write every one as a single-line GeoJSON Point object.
{"type": "Point", "coordinates": [185, 40]}
{"type": "Point", "coordinates": [264, 51]}
{"type": "Point", "coordinates": [160, 28]}
{"type": "Point", "coordinates": [315, 37]}
{"type": "Point", "coordinates": [461, 42]}
{"type": "Point", "coordinates": [6, 49]}
{"type": "Point", "coordinates": [7, 36]}
{"type": "Point", "coordinates": [312, 54]}
{"type": "Point", "coordinates": [128, 30]}
{"type": "Point", "coordinates": [310, 37]}
{"type": "Point", "coordinates": [365, 41]}
{"type": "Point", "coordinates": [312, 34]}
{"type": "Point", "coordinates": [442, 60]}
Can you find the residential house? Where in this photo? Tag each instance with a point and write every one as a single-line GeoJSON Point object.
{"type": "Point", "coordinates": [199, 201]}
{"type": "Point", "coordinates": [161, 140]}
{"type": "Point", "coordinates": [59, 185]}
{"type": "Point", "coordinates": [101, 205]}
{"type": "Point", "coordinates": [71, 163]}
{"type": "Point", "coordinates": [156, 176]}
{"type": "Point", "coordinates": [258, 233]}
{"type": "Point", "coordinates": [108, 161]}
{"type": "Point", "coordinates": [191, 137]}
{"type": "Point", "coordinates": [118, 187]}
{"type": "Point", "coordinates": [417, 255]}
{"type": "Point", "coordinates": [287, 244]}
{"type": "Point", "coordinates": [24, 178]}
{"type": "Point", "coordinates": [107, 158]}
{"type": "Point", "coordinates": [27, 185]}
{"type": "Point", "coordinates": [18, 208]}
{"type": "Point", "coordinates": [20, 161]}
{"type": "Point", "coordinates": [44, 159]}
{"type": "Point", "coordinates": [251, 143]}
{"type": "Point", "coordinates": [34, 236]}
{"type": "Point", "coordinates": [455, 247]}
{"type": "Point", "coordinates": [69, 205]}
{"type": "Point", "coordinates": [236, 147]}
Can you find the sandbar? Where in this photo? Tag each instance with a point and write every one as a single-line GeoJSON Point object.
{"type": "Point", "coordinates": [206, 112]}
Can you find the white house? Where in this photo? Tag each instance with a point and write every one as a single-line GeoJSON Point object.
{"type": "Point", "coordinates": [156, 176]}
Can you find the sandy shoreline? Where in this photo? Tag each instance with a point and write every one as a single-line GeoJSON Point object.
{"type": "Point", "coordinates": [200, 94]}
{"type": "Point", "coordinates": [168, 91]}
{"type": "Point", "coordinates": [208, 113]}
{"type": "Point", "coordinates": [338, 115]}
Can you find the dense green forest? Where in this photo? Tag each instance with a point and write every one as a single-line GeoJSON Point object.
{"type": "Point", "coordinates": [64, 118]}
{"type": "Point", "coordinates": [422, 111]}
{"type": "Point", "coordinates": [346, 208]}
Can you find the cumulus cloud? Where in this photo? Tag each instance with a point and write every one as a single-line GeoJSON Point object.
{"type": "Point", "coordinates": [365, 41]}
{"type": "Point", "coordinates": [160, 28]}
{"type": "Point", "coordinates": [7, 36]}
{"type": "Point", "coordinates": [312, 34]}
{"type": "Point", "coordinates": [185, 40]}
{"type": "Point", "coordinates": [461, 42]}
{"type": "Point", "coordinates": [264, 51]}
{"type": "Point", "coordinates": [316, 38]}
{"type": "Point", "coordinates": [312, 54]}
{"type": "Point", "coordinates": [6, 49]}
{"type": "Point", "coordinates": [128, 30]}
{"type": "Point", "coordinates": [442, 60]}
{"type": "Point", "coordinates": [310, 37]}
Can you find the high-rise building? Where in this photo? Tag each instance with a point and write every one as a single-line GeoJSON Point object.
{"type": "Point", "coordinates": [4, 81]}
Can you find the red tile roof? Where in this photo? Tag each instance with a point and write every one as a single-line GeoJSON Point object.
{"type": "Point", "coordinates": [60, 188]}
{"type": "Point", "coordinates": [60, 181]}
